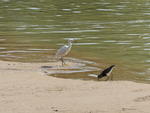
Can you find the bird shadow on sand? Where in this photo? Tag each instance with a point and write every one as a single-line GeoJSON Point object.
{"type": "Point", "coordinates": [46, 67]}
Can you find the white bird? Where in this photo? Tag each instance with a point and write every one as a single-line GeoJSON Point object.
{"type": "Point", "coordinates": [64, 50]}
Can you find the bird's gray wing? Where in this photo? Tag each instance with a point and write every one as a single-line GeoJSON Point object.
{"type": "Point", "coordinates": [61, 51]}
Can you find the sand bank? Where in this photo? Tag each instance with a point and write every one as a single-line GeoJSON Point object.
{"type": "Point", "coordinates": [26, 88]}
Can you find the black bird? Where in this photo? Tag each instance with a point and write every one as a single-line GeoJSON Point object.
{"type": "Point", "coordinates": [106, 73]}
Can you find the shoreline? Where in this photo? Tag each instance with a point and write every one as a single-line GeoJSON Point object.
{"type": "Point", "coordinates": [24, 88]}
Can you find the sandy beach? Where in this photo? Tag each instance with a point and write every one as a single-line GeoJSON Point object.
{"type": "Point", "coordinates": [26, 88]}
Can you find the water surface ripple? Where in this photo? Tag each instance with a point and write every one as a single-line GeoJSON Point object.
{"type": "Point", "coordinates": [105, 31]}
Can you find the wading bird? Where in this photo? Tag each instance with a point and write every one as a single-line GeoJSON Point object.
{"type": "Point", "coordinates": [63, 51]}
{"type": "Point", "coordinates": [106, 73]}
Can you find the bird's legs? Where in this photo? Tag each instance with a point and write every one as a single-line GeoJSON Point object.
{"type": "Point", "coordinates": [111, 77]}
{"type": "Point", "coordinates": [107, 78]}
{"type": "Point", "coordinates": [62, 60]}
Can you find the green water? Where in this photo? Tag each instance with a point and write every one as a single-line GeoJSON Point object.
{"type": "Point", "coordinates": [106, 32]}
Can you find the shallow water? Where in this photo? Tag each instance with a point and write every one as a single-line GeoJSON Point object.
{"type": "Point", "coordinates": [105, 31]}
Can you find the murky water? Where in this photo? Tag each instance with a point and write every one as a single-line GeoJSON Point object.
{"type": "Point", "coordinates": [106, 32]}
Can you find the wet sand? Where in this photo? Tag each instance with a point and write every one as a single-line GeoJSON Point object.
{"type": "Point", "coordinates": [26, 88]}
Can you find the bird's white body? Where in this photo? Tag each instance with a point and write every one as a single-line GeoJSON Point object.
{"type": "Point", "coordinates": [108, 74]}
{"type": "Point", "coordinates": [64, 50]}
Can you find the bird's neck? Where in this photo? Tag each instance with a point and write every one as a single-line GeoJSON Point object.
{"type": "Point", "coordinates": [69, 44]}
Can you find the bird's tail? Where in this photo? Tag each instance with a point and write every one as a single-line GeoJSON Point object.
{"type": "Point", "coordinates": [57, 57]}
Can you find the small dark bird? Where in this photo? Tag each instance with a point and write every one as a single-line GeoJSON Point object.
{"type": "Point", "coordinates": [106, 73]}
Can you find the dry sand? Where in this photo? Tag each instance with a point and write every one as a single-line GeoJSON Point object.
{"type": "Point", "coordinates": [25, 88]}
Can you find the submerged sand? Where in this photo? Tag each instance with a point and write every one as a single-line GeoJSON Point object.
{"type": "Point", "coordinates": [26, 88]}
